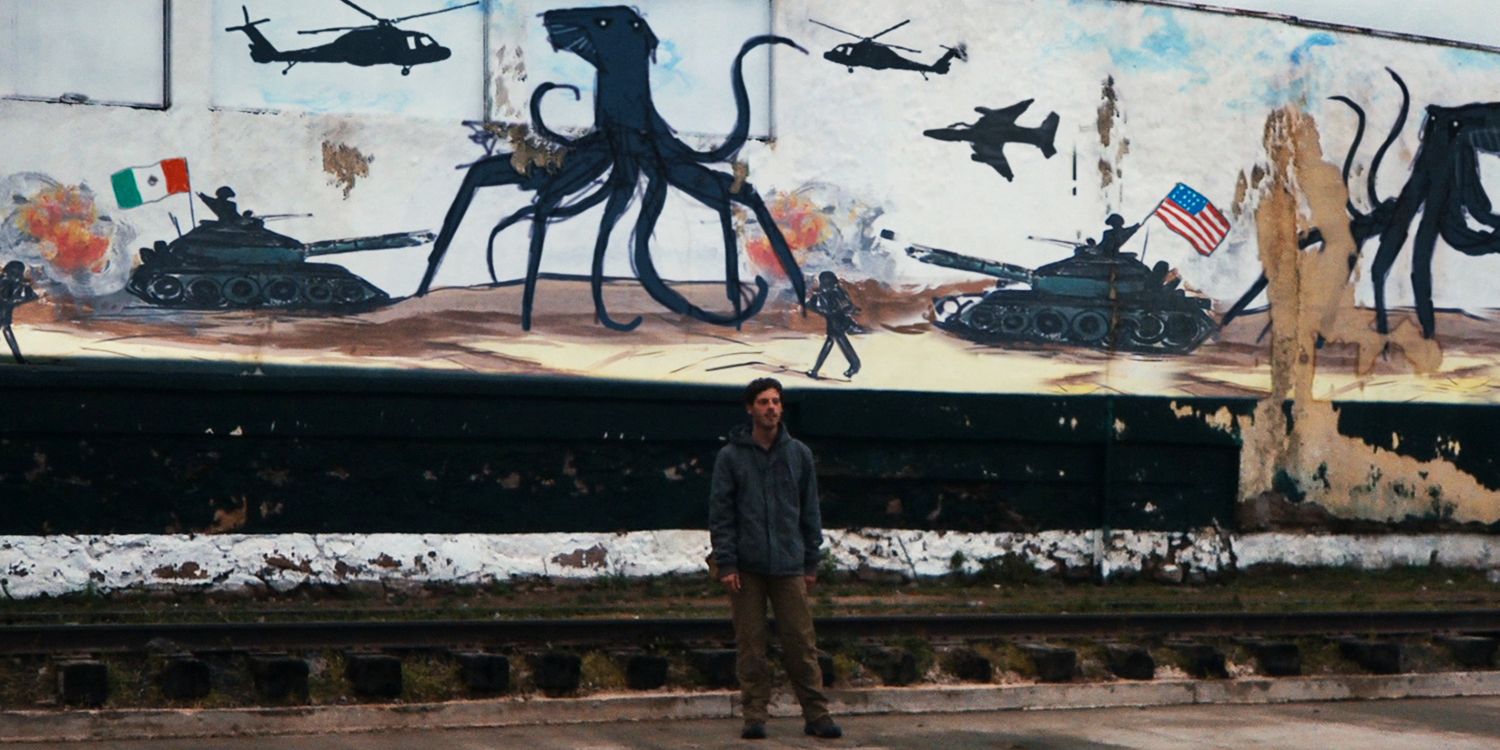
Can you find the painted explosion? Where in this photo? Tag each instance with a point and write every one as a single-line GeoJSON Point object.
{"type": "Point", "coordinates": [59, 230]}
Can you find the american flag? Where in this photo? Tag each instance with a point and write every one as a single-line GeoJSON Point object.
{"type": "Point", "coordinates": [1186, 212]}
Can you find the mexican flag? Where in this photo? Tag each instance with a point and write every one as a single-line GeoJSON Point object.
{"type": "Point", "coordinates": [136, 185]}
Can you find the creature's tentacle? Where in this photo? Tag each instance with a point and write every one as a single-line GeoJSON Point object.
{"type": "Point", "coordinates": [1359, 136]}
{"type": "Point", "coordinates": [1469, 205]}
{"type": "Point", "coordinates": [731, 257]}
{"type": "Point", "coordinates": [716, 190]}
{"type": "Point", "coordinates": [1422, 247]}
{"type": "Point", "coordinates": [1424, 169]}
{"type": "Point", "coordinates": [651, 281]}
{"type": "Point", "coordinates": [539, 127]}
{"type": "Point", "coordinates": [560, 212]}
{"type": "Point", "coordinates": [748, 197]}
{"type": "Point", "coordinates": [1390, 138]}
{"type": "Point", "coordinates": [741, 129]}
{"type": "Point", "coordinates": [487, 172]}
{"type": "Point", "coordinates": [621, 189]}
{"type": "Point", "coordinates": [539, 221]}
{"type": "Point", "coordinates": [585, 167]}
{"type": "Point", "coordinates": [1244, 300]}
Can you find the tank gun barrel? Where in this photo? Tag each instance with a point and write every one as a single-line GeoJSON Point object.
{"type": "Point", "coordinates": [378, 242]}
{"type": "Point", "coordinates": [1052, 241]}
{"type": "Point", "coordinates": [949, 259]}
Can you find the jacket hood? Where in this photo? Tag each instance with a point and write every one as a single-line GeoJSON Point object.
{"type": "Point", "coordinates": [741, 434]}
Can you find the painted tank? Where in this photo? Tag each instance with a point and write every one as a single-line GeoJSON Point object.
{"type": "Point", "coordinates": [234, 262]}
{"type": "Point", "coordinates": [1098, 298]}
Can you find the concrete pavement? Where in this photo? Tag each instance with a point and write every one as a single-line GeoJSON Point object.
{"type": "Point", "coordinates": [1414, 724]}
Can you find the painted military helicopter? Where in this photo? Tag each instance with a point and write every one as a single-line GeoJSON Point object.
{"type": "Point", "coordinates": [380, 43]}
{"type": "Point", "coordinates": [868, 53]}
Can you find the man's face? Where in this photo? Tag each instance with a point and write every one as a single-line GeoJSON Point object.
{"type": "Point", "coordinates": [765, 410]}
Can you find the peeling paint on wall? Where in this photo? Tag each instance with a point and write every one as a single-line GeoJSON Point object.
{"type": "Point", "coordinates": [1313, 310]}
{"type": "Point", "coordinates": [1110, 122]}
{"type": "Point", "coordinates": [32, 566]}
{"type": "Point", "coordinates": [345, 164]}
{"type": "Point", "coordinates": [510, 70]}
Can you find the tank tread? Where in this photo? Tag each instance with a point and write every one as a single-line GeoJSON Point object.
{"type": "Point", "coordinates": [302, 287]}
{"type": "Point", "coordinates": [1175, 327]}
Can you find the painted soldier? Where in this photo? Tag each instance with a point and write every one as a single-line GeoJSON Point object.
{"type": "Point", "coordinates": [833, 303]}
{"type": "Point", "coordinates": [222, 204]}
{"type": "Point", "coordinates": [14, 291]}
{"type": "Point", "coordinates": [1117, 235]}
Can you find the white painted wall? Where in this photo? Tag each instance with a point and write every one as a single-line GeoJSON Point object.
{"type": "Point", "coordinates": [1194, 90]}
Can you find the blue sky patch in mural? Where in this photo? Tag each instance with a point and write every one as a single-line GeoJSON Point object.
{"type": "Point", "coordinates": [1303, 52]}
{"type": "Point", "coordinates": [1166, 48]}
{"type": "Point", "coordinates": [1467, 58]}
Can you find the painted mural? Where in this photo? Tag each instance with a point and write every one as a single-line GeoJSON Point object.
{"type": "Point", "coordinates": [1095, 216]}
{"type": "Point", "coordinates": [629, 143]}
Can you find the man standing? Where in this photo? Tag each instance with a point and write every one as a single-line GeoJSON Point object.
{"type": "Point", "coordinates": [766, 529]}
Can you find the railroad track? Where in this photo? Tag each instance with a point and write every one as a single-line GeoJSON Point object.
{"type": "Point", "coordinates": [433, 634]}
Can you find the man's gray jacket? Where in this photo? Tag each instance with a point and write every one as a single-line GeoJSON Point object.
{"type": "Point", "coordinates": [763, 514]}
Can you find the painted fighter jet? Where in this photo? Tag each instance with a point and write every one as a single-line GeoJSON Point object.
{"type": "Point", "coordinates": [994, 130]}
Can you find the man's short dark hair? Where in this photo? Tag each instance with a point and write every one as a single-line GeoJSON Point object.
{"type": "Point", "coordinates": [757, 385]}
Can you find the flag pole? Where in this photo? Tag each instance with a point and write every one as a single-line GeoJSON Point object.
{"type": "Point", "coordinates": [192, 215]}
{"type": "Point", "coordinates": [1159, 204]}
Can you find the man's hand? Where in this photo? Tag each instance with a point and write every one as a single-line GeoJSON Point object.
{"type": "Point", "coordinates": [811, 579]}
{"type": "Point", "coordinates": [731, 581]}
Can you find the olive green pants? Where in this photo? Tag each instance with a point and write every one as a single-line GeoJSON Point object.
{"type": "Point", "coordinates": [799, 647]}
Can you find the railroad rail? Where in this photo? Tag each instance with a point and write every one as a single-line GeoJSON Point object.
{"type": "Point", "coordinates": [429, 634]}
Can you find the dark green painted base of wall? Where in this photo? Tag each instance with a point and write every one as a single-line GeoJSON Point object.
{"type": "Point", "coordinates": [304, 451]}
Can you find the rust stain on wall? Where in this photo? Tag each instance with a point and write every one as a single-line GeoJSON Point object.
{"type": "Point", "coordinates": [230, 520]}
{"type": "Point", "coordinates": [189, 571]}
{"type": "Point", "coordinates": [527, 151]}
{"type": "Point", "coordinates": [1109, 122]}
{"type": "Point", "coordinates": [1312, 305]}
{"type": "Point", "coordinates": [593, 557]}
{"type": "Point", "coordinates": [1108, 111]}
{"type": "Point", "coordinates": [281, 562]}
{"type": "Point", "coordinates": [345, 164]}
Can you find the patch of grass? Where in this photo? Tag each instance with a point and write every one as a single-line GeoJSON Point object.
{"type": "Point", "coordinates": [130, 682]}
{"type": "Point", "coordinates": [920, 649]}
{"type": "Point", "coordinates": [600, 672]}
{"type": "Point", "coordinates": [26, 682]}
{"type": "Point", "coordinates": [1093, 663]}
{"type": "Point", "coordinates": [1008, 658]}
{"type": "Point", "coordinates": [429, 677]}
{"type": "Point", "coordinates": [1322, 657]}
{"type": "Point", "coordinates": [847, 670]}
{"type": "Point", "coordinates": [326, 683]}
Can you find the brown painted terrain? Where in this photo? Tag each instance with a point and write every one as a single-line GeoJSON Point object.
{"type": "Point", "coordinates": [478, 330]}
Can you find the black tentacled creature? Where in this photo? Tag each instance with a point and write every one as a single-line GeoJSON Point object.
{"type": "Point", "coordinates": [630, 140]}
{"type": "Point", "coordinates": [1362, 225]}
{"type": "Point", "coordinates": [1445, 187]}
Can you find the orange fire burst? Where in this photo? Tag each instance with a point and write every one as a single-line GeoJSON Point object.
{"type": "Point", "coordinates": [803, 225]}
{"type": "Point", "coordinates": [62, 220]}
